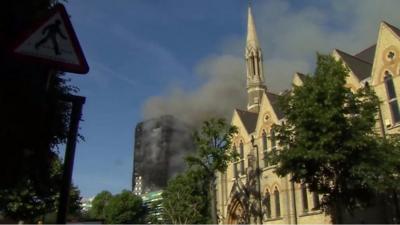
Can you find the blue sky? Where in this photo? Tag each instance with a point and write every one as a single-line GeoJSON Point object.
{"type": "Point", "coordinates": [184, 57]}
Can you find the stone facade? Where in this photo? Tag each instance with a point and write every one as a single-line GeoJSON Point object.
{"type": "Point", "coordinates": [282, 201]}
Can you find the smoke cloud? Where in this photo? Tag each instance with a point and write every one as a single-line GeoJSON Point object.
{"type": "Point", "coordinates": [223, 90]}
{"type": "Point", "coordinates": [290, 37]}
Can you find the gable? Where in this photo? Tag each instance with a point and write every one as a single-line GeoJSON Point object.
{"type": "Point", "coordinates": [298, 79]}
{"type": "Point", "coordinates": [274, 99]}
{"type": "Point", "coordinates": [388, 41]}
{"type": "Point", "coordinates": [269, 108]}
{"type": "Point", "coordinates": [393, 28]}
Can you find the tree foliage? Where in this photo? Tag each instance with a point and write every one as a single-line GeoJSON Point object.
{"type": "Point", "coordinates": [328, 140]}
{"type": "Point", "coordinates": [190, 197]}
{"type": "Point", "coordinates": [388, 176]}
{"type": "Point", "coordinates": [97, 211]}
{"type": "Point", "coordinates": [185, 200]}
{"type": "Point", "coordinates": [213, 146]}
{"type": "Point", "coordinates": [213, 154]}
{"type": "Point", "coordinates": [25, 203]}
{"type": "Point", "coordinates": [124, 208]}
{"type": "Point", "coordinates": [74, 203]}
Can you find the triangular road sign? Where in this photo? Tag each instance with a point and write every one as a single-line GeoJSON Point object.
{"type": "Point", "coordinates": [53, 41]}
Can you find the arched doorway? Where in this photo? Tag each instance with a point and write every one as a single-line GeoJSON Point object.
{"type": "Point", "coordinates": [236, 213]}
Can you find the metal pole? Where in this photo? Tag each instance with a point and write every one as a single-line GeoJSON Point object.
{"type": "Point", "coordinates": [382, 125]}
{"type": "Point", "coordinates": [259, 186]}
{"type": "Point", "coordinates": [294, 202]}
{"type": "Point", "coordinates": [77, 104]}
{"type": "Point", "coordinates": [258, 173]}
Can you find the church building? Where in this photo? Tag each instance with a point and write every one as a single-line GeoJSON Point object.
{"type": "Point", "coordinates": [283, 201]}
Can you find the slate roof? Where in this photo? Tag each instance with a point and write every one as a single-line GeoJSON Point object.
{"type": "Point", "coordinates": [249, 119]}
{"type": "Point", "coordinates": [301, 76]}
{"type": "Point", "coordinates": [367, 54]}
{"type": "Point", "coordinates": [362, 69]}
{"type": "Point", "coordinates": [273, 99]}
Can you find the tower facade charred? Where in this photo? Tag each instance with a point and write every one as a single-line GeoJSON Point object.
{"type": "Point", "coordinates": [161, 145]}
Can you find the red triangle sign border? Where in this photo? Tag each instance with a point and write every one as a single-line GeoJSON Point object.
{"type": "Point", "coordinates": [81, 68]}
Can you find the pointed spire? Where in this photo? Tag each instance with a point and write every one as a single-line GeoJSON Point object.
{"type": "Point", "coordinates": [254, 66]}
{"type": "Point", "coordinates": [252, 40]}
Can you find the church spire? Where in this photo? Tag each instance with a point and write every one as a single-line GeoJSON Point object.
{"type": "Point", "coordinates": [254, 66]}
{"type": "Point", "coordinates": [252, 39]}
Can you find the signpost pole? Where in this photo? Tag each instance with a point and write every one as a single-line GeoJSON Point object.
{"type": "Point", "coordinates": [50, 77]}
{"type": "Point", "coordinates": [77, 104]}
{"type": "Point", "coordinates": [52, 41]}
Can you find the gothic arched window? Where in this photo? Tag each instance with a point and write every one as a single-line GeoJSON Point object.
{"type": "Point", "coordinates": [277, 203]}
{"type": "Point", "coordinates": [316, 202]}
{"type": "Point", "coordinates": [304, 197]}
{"type": "Point", "coordinates": [253, 60]}
{"type": "Point", "coordinates": [267, 204]}
{"type": "Point", "coordinates": [265, 147]}
{"type": "Point", "coordinates": [273, 138]}
{"type": "Point", "coordinates": [235, 169]}
{"type": "Point", "coordinates": [264, 140]}
{"type": "Point", "coordinates": [392, 98]}
{"type": "Point", "coordinates": [241, 149]}
{"type": "Point", "coordinates": [251, 64]}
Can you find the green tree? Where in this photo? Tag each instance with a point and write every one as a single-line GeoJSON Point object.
{"type": "Point", "coordinates": [185, 200]}
{"type": "Point", "coordinates": [24, 203]}
{"type": "Point", "coordinates": [74, 212]}
{"type": "Point", "coordinates": [385, 177]}
{"type": "Point", "coordinates": [97, 211]}
{"type": "Point", "coordinates": [125, 208]}
{"type": "Point", "coordinates": [74, 203]}
{"type": "Point", "coordinates": [213, 154]}
{"type": "Point", "coordinates": [328, 136]}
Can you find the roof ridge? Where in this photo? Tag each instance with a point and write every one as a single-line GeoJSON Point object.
{"type": "Point", "coordinates": [340, 51]}
{"type": "Point", "coordinates": [300, 73]}
{"type": "Point", "coordinates": [374, 45]}
{"type": "Point", "coordinates": [390, 25]}
{"type": "Point", "coordinates": [269, 92]}
{"type": "Point", "coordinates": [246, 111]}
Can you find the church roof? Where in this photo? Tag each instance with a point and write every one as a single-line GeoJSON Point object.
{"type": "Point", "coordinates": [393, 28]}
{"type": "Point", "coordinates": [360, 68]}
{"type": "Point", "coordinates": [367, 54]}
{"type": "Point", "coordinates": [249, 119]}
{"type": "Point", "coordinates": [302, 76]}
{"type": "Point", "coordinates": [273, 99]}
